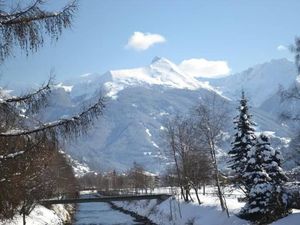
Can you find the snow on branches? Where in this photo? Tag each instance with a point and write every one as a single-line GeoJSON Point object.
{"type": "Point", "coordinates": [264, 179]}
{"type": "Point", "coordinates": [258, 171]}
{"type": "Point", "coordinates": [244, 140]}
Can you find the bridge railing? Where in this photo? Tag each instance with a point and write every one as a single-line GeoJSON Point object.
{"type": "Point", "coordinates": [100, 198]}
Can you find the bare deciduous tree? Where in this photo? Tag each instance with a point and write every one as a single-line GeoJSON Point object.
{"type": "Point", "coordinates": [199, 170]}
{"type": "Point", "coordinates": [188, 155]}
{"type": "Point", "coordinates": [178, 134]}
{"type": "Point", "coordinates": [212, 115]}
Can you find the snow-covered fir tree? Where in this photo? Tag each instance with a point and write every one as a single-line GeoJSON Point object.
{"type": "Point", "coordinates": [244, 140]}
{"type": "Point", "coordinates": [264, 179]}
{"type": "Point", "coordinates": [272, 160]}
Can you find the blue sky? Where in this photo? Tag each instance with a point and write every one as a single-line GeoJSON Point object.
{"type": "Point", "coordinates": [240, 33]}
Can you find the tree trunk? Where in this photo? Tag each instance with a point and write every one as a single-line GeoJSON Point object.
{"type": "Point", "coordinates": [189, 194]}
{"type": "Point", "coordinates": [196, 191]}
{"type": "Point", "coordinates": [182, 193]}
{"type": "Point", "coordinates": [204, 189]}
{"type": "Point", "coordinates": [186, 195]}
{"type": "Point", "coordinates": [24, 219]}
{"type": "Point", "coordinates": [220, 194]}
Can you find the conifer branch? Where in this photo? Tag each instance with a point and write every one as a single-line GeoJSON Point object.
{"type": "Point", "coordinates": [73, 127]}
{"type": "Point", "coordinates": [35, 100]}
{"type": "Point", "coordinates": [26, 28]}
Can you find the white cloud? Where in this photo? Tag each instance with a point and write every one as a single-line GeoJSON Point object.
{"type": "Point", "coordinates": [282, 48]}
{"type": "Point", "coordinates": [204, 68]}
{"type": "Point", "coordinates": [142, 41]}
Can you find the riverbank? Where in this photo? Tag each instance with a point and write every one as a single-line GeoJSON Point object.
{"type": "Point", "coordinates": [138, 218]}
{"type": "Point", "coordinates": [40, 215]}
{"type": "Point", "coordinates": [174, 211]}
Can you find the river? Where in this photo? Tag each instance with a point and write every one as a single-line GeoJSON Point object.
{"type": "Point", "coordinates": [100, 213]}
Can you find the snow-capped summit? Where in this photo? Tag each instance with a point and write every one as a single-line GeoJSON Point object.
{"type": "Point", "coordinates": [169, 74]}
{"type": "Point", "coordinates": [155, 59]}
{"type": "Point", "coordinates": [162, 63]}
{"type": "Point", "coordinates": [161, 72]}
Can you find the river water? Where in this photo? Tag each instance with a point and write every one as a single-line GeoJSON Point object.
{"type": "Point", "coordinates": [101, 213]}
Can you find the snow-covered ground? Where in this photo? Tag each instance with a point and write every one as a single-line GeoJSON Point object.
{"type": "Point", "coordinates": [42, 216]}
{"type": "Point", "coordinates": [176, 212]}
{"type": "Point", "coordinates": [173, 211]}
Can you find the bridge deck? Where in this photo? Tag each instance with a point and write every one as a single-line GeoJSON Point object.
{"type": "Point", "coordinates": [107, 199]}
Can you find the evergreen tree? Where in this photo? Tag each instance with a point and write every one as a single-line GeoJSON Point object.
{"type": "Point", "coordinates": [244, 140]}
{"type": "Point", "coordinates": [272, 160]}
{"type": "Point", "coordinates": [259, 199]}
{"type": "Point", "coordinates": [264, 179]}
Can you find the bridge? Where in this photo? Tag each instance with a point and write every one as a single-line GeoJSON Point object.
{"type": "Point", "coordinates": [96, 198]}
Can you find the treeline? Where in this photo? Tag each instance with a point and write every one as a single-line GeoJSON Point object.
{"type": "Point", "coordinates": [135, 179]}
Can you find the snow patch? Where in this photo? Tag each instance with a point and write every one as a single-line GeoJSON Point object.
{"type": "Point", "coordinates": [65, 87]}
{"type": "Point", "coordinates": [42, 216]}
{"type": "Point", "coordinates": [154, 144]}
{"type": "Point", "coordinates": [162, 128]}
{"type": "Point", "coordinates": [148, 132]}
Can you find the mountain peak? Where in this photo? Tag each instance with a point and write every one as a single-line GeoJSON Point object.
{"type": "Point", "coordinates": [277, 63]}
{"type": "Point", "coordinates": [155, 59]}
{"type": "Point", "coordinates": [260, 81]}
{"type": "Point", "coordinates": [161, 61]}
{"type": "Point", "coordinates": [160, 72]}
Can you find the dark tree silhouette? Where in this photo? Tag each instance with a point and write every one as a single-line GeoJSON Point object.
{"type": "Point", "coordinates": [29, 148]}
{"type": "Point", "coordinates": [26, 26]}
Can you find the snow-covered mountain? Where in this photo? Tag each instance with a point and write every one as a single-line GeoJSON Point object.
{"type": "Point", "coordinates": [260, 82]}
{"type": "Point", "coordinates": [143, 98]}
{"type": "Point", "coordinates": [130, 130]}
{"type": "Point", "coordinates": [161, 72]}
{"type": "Point", "coordinates": [276, 106]}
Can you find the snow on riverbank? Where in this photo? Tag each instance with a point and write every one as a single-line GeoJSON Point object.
{"type": "Point", "coordinates": [42, 216]}
{"type": "Point", "coordinates": [176, 212]}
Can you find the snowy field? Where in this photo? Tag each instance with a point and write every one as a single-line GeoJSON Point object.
{"type": "Point", "coordinates": [176, 212]}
